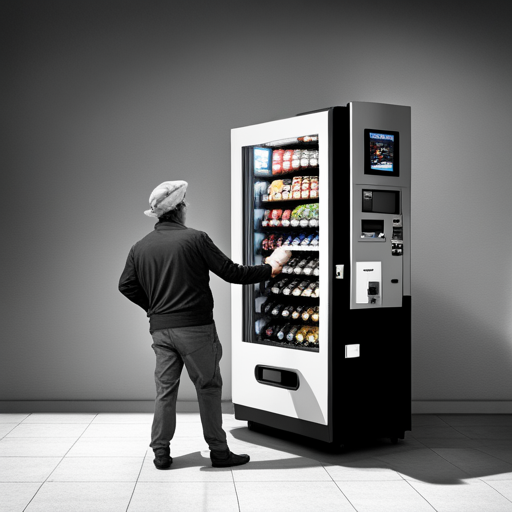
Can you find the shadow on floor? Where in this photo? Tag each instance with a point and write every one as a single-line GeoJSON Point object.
{"type": "Point", "coordinates": [451, 463]}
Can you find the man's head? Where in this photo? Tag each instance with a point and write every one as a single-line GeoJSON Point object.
{"type": "Point", "coordinates": [167, 197]}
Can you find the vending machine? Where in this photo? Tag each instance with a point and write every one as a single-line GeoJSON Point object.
{"type": "Point", "coordinates": [324, 349]}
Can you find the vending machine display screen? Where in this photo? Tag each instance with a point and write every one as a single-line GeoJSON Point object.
{"type": "Point", "coordinates": [262, 161]}
{"type": "Point", "coordinates": [381, 152]}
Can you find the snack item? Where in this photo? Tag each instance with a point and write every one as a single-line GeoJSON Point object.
{"type": "Point", "coordinates": [265, 220]}
{"type": "Point", "coordinates": [285, 218]}
{"type": "Point", "coordinates": [275, 190]}
{"type": "Point", "coordinates": [297, 154]}
{"type": "Point", "coordinates": [287, 190]}
{"type": "Point", "coordinates": [277, 161]}
{"type": "Point", "coordinates": [287, 160]}
{"type": "Point", "coordinates": [275, 218]}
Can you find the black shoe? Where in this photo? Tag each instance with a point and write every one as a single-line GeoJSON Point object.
{"type": "Point", "coordinates": [226, 459]}
{"type": "Point", "coordinates": [163, 459]}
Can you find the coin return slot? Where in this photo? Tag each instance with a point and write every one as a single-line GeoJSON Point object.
{"type": "Point", "coordinates": [278, 377]}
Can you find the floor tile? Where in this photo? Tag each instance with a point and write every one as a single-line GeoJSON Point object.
{"type": "Point", "coordinates": [500, 452]}
{"type": "Point", "coordinates": [437, 431]}
{"type": "Point", "coordinates": [35, 447]}
{"type": "Point", "coordinates": [421, 420]}
{"type": "Point", "coordinates": [117, 430]}
{"type": "Point", "coordinates": [424, 465]}
{"type": "Point", "coordinates": [21, 469]}
{"type": "Point", "coordinates": [486, 432]}
{"type": "Point", "coordinates": [82, 497]}
{"type": "Point", "coordinates": [471, 496]}
{"type": "Point", "coordinates": [391, 496]}
{"type": "Point", "coordinates": [13, 417]}
{"type": "Point", "coordinates": [291, 496]}
{"type": "Point", "coordinates": [184, 497]}
{"type": "Point", "coordinates": [367, 470]}
{"type": "Point", "coordinates": [504, 487]}
{"type": "Point", "coordinates": [16, 496]}
{"type": "Point", "coordinates": [186, 467]}
{"type": "Point", "coordinates": [97, 469]}
{"type": "Point", "coordinates": [5, 428]}
{"type": "Point", "coordinates": [456, 420]}
{"type": "Point", "coordinates": [294, 469]}
{"type": "Point", "coordinates": [106, 417]}
{"type": "Point", "coordinates": [47, 430]}
{"type": "Point", "coordinates": [475, 463]}
{"type": "Point", "coordinates": [63, 418]}
{"type": "Point", "coordinates": [100, 447]}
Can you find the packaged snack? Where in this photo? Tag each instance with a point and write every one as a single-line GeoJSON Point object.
{"type": "Point", "coordinates": [313, 215]}
{"type": "Point", "coordinates": [275, 218]}
{"type": "Point", "coordinates": [313, 187]}
{"type": "Point", "coordinates": [287, 160]}
{"type": "Point", "coordinates": [297, 154]}
{"type": "Point", "coordinates": [296, 187]}
{"type": "Point", "coordinates": [297, 215]}
{"type": "Point", "coordinates": [313, 158]}
{"type": "Point", "coordinates": [266, 218]}
{"type": "Point", "coordinates": [287, 189]}
{"type": "Point", "coordinates": [277, 161]}
{"type": "Point", "coordinates": [285, 218]}
{"type": "Point", "coordinates": [275, 190]}
{"type": "Point", "coordinates": [304, 160]}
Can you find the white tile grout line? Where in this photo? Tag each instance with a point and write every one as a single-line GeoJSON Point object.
{"type": "Point", "coordinates": [496, 490]}
{"type": "Point", "coordinates": [336, 484]}
{"type": "Point", "coordinates": [62, 458]}
{"type": "Point", "coordinates": [137, 480]}
{"type": "Point", "coordinates": [236, 492]}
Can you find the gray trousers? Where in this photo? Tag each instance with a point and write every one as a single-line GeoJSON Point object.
{"type": "Point", "coordinates": [199, 349]}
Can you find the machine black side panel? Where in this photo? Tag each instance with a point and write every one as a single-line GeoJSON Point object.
{"type": "Point", "coordinates": [373, 392]}
{"type": "Point", "coordinates": [297, 426]}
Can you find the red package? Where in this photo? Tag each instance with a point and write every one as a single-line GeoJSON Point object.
{"type": "Point", "coordinates": [277, 161]}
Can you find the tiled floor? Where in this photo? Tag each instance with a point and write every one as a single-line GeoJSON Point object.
{"type": "Point", "coordinates": [101, 462]}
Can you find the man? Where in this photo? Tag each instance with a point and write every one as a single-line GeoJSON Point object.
{"type": "Point", "coordinates": [167, 275]}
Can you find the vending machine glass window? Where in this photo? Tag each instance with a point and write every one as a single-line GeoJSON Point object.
{"type": "Point", "coordinates": [281, 187]}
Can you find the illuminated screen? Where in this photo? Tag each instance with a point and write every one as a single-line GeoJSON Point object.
{"type": "Point", "coordinates": [381, 149]}
{"type": "Point", "coordinates": [262, 161]}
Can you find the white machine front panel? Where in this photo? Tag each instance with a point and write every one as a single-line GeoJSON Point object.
{"type": "Point", "coordinates": [310, 401]}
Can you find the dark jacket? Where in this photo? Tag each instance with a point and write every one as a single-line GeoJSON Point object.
{"type": "Point", "coordinates": [167, 275]}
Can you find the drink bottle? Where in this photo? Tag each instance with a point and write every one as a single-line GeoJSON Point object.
{"type": "Point", "coordinates": [307, 314]}
{"type": "Point", "coordinates": [279, 285]}
{"type": "Point", "coordinates": [298, 311]}
{"type": "Point", "coordinates": [267, 306]}
{"type": "Point", "coordinates": [283, 332]}
{"type": "Point", "coordinates": [300, 288]}
{"type": "Point", "coordinates": [270, 330]}
{"type": "Point", "coordinates": [287, 311]}
{"type": "Point", "coordinates": [290, 336]}
{"type": "Point", "coordinates": [288, 268]}
{"type": "Point", "coordinates": [308, 269]}
{"type": "Point", "coordinates": [312, 336]}
{"type": "Point", "coordinates": [288, 289]}
{"type": "Point", "coordinates": [312, 286]}
{"type": "Point", "coordinates": [315, 317]}
{"type": "Point", "coordinates": [299, 268]}
{"type": "Point", "coordinates": [300, 337]}
{"type": "Point", "coordinates": [277, 309]}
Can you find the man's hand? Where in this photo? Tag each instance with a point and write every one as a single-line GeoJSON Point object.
{"type": "Point", "coordinates": [276, 267]}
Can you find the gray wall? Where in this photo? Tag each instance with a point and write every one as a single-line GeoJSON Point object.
{"type": "Point", "coordinates": [104, 100]}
